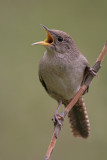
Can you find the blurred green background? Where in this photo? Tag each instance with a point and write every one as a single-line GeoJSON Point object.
{"type": "Point", "coordinates": [25, 108]}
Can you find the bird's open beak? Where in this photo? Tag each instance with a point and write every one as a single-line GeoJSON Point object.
{"type": "Point", "coordinates": [49, 39]}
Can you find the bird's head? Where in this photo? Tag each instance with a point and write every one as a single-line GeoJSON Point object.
{"type": "Point", "coordinates": [57, 41]}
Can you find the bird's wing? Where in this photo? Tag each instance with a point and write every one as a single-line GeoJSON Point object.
{"type": "Point", "coordinates": [43, 83]}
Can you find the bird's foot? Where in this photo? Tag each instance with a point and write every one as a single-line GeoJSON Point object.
{"type": "Point", "coordinates": [58, 119]}
{"type": "Point", "coordinates": [91, 70]}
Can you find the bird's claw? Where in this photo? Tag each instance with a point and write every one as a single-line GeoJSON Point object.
{"type": "Point", "coordinates": [91, 70]}
{"type": "Point", "coordinates": [57, 119]}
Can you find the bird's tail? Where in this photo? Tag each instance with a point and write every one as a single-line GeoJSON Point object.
{"type": "Point", "coordinates": [78, 118]}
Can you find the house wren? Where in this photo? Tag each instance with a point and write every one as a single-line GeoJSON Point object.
{"type": "Point", "coordinates": [61, 72]}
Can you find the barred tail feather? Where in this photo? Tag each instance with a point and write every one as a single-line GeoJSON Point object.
{"type": "Point", "coordinates": [78, 118]}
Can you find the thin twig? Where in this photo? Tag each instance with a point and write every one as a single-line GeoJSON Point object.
{"type": "Point", "coordinates": [87, 82]}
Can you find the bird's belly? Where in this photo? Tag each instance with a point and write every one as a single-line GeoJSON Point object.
{"type": "Point", "coordinates": [62, 80]}
{"type": "Point", "coordinates": [63, 86]}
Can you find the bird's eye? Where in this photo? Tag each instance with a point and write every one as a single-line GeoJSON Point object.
{"type": "Point", "coordinates": [60, 39]}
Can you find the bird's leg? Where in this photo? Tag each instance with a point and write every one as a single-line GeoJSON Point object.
{"type": "Point", "coordinates": [58, 117]}
{"type": "Point", "coordinates": [87, 71]}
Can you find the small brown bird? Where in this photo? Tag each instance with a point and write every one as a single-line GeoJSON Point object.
{"type": "Point", "coordinates": [61, 71]}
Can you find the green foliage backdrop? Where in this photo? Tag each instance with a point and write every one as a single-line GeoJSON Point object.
{"type": "Point", "coordinates": [25, 108]}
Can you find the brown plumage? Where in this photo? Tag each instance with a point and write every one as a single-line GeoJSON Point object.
{"type": "Point", "coordinates": [61, 72]}
{"type": "Point", "coordinates": [78, 118]}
